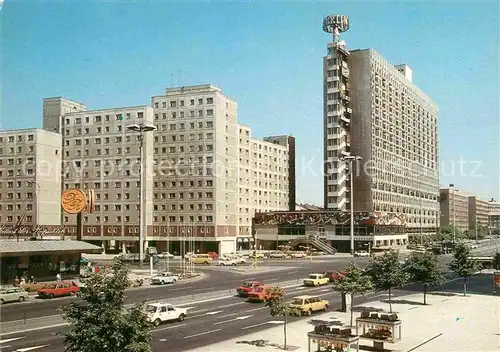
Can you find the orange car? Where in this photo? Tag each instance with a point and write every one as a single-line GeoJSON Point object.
{"type": "Point", "coordinates": [260, 294]}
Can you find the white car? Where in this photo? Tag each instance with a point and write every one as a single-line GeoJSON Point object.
{"type": "Point", "coordinates": [164, 278]}
{"type": "Point", "coordinates": [298, 254]}
{"type": "Point", "coordinates": [277, 254]}
{"type": "Point", "coordinates": [238, 260]}
{"type": "Point", "coordinates": [474, 246]}
{"type": "Point", "coordinates": [165, 255]}
{"type": "Point", "coordinates": [226, 262]}
{"type": "Point", "coordinates": [361, 254]}
{"type": "Point", "coordinates": [158, 313]}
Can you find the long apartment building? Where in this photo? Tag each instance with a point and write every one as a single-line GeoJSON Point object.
{"type": "Point", "coordinates": [214, 176]}
{"type": "Point", "coordinates": [205, 175]}
{"type": "Point", "coordinates": [478, 213]}
{"type": "Point", "coordinates": [494, 217]}
{"type": "Point", "coordinates": [454, 208]}
{"type": "Point", "coordinates": [30, 162]}
{"type": "Point", "coordinates": [374, 111]}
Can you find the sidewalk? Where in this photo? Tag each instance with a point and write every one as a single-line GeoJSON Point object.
{"type": "Point", "coordinates": [450, 322]}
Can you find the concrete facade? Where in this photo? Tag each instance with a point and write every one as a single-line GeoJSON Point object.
{"type": "Point", "coordinates": [494, 217]}
{"type": "Point", "coordinates": [478, 213]}
{"type": "Point", "coordinates": [454, 208]}
{"type": "Point", "coordinates": [372, 110]}
{"type": "Point", "coordinates": [30, 161]}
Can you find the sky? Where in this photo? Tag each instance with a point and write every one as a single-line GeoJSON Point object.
{"type": "Point", "coordinates": [268, 57]}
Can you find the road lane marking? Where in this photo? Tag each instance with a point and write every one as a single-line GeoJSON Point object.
{"type": "Point", "coordinates": [212, 313]}
{"type": "Point", "coordinates": [190, 307]}
{"type": "Point", "coordinates": [238, 318]}
{"type": "Point", "coordinates": [34, 329]}
{"type": "Point", "coordinates": [179, 288]}
{"type": "Point", "coordinates": [169, 327]}
{"type": "Point", "coordinates": [253, 310]}
{"type": "Point", "coordinates": [325, 290]}
{"type": "Point", "coordinates": [202, 333]}
{"type": "Point", "coordinates": [12, 339]}
{"type": "Point", "coordinates": [26, 349]}
{"type": "Point", "coordinates": [264, 323]}
{"type": "Point", "coordinates": [207, 288]}
{"type": "Point", "coordinates": [227, 315]}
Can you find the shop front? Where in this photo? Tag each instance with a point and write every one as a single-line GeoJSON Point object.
{"type": "Point", "coordinates": [42, 259]}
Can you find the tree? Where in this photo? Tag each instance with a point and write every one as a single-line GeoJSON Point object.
{"type": "Point", "coordinates": [462, 264]}
{"type": "Point", "coordinates": [496, 261]}
{"type": "Point", "coordinates": [423, 267]}
{"type": "Point", "coordinates": [354, 282]}
{"type": "Point", "coordinates": [386, 273]}
{"type": "Point", "coordinates": [100, 321]}
{"type": "Point", "coordinates": [279, 307]}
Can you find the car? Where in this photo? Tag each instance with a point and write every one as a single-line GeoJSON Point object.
{"type": "Point", "coordinates": [200, 259]}
{"type": "Point", "coordinates": [225, 262]}
{"type": "Point", "coordinates": [260, 294]}
{"type": "Point", "coordinates": [164, 278]}
{"type": "Point", "coordinates": [316, 280]}
{"type": "Point", "coordinates": [361, 254]}
{"type": "Point", "coordinates": [298, 254]}
{"type": "Point", "coordinates": [257, 255]}
{"type": "Point", "coordinates": [237, 259]}
{"type": "Point", "coordinates": [247, 287]}
{"type": "Point", "coordinates": [306, 305]}
{"type": "Point", "coordinates": [13, 294]}
{"type": "Point", "coordinates": [158, 313]}
{"type": "Point", "coordinates": [59, 289]}
{"type": "Point", "coordinates": [334, 275]}
{"type": "Point", "coordinates": [165, 255]}
{"type": "Point", "coordinates": [474, 246]}
{"type": "Point", "coordinates": [213, 255]}
{"type": "Point", "coordinates": [277, 254]}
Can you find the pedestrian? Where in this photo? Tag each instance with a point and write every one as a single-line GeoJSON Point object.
{"type": "Point", "coordinates": [16, 281]}
{"type": "Point", "coordinates": [23, 281]}
{"type": "Point", "coordinates": [58, 277]}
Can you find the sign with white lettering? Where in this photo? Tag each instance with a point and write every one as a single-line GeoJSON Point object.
{"type": "Point", "coordinates": [31, 231]}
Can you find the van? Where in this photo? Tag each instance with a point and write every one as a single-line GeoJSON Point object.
{"type": "Point", "coordinates": [201, 259]}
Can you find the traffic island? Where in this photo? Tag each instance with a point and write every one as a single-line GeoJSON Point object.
{"type": "Point", "coordinates": [379, 328]}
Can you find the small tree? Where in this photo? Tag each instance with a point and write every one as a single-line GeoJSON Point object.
{"type": "Point", "coordinates": [462, 264]}
{"type": "Point", "coordinates": [424, 268]}
{"type": "Point", "coordinates": [354, 282]}
{"type": "Point", "coordinates": [496, 261]}
{"type": "Point", "coordinates": [100, 321]}
{"type": "Point", "coordinates": [387, 272]}
{"type": "Point", "coordinates": [279, 307]}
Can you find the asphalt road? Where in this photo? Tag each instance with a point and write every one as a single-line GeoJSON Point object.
{"type": "Point", "coordinates": [217, 279]}
{"type": "Point", "coordinates": [210, 322]}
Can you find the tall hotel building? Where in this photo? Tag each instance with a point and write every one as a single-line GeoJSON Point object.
{"type": "Point", "coordinates": [373, 110]}
{"type": "Point", "coordinates": [205, 174]}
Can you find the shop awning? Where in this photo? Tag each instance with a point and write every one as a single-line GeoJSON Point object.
{"type": "Point", "coordinates": [14, 248]}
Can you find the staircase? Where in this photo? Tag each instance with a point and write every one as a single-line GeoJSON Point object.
{"type": "Point", "coordinates": [315, 242]}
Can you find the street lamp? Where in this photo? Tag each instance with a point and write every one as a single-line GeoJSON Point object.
{"type": "Point", "coordinates": [141, 129]}
{"type": "Point", "coordinates": [349, 159]}
{"type": "Point", "coordinates": [454, 224]}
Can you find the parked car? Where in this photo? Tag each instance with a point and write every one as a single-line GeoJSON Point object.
{"type": "Point", "coordinates": [164, 278]}
{"type": "Point", "coordinates": [200, 259]}
{"type": "Point", "coordinates": [158, 313]}
{"type": "Point", "coordinates": [316, 280]}
{"type": "Point", "coordinates": [334, 275]}
{"type": "Point", "coordinates": [247, 287]}
{"type": "Point", "coordinates": [13, 294]}
{"type": "Point", "coordinates": [361, 254]}
{"type": "Point", "coordinates": [213, 255]}
{"type": "Point", "coordinates": [165, 255]}
{"type": "Point", "coordinates": [308, 304]}
{"type": "Point", "coordinates": [260, 294]}
{"type": "Point", "coordinates": [277, 254]}
{"type": "Point", "coordinates": [59, 289]}
{"type": "Point", "coordinates": [226, 262]}
{"type": "Point", "coordinates": [298, 254]}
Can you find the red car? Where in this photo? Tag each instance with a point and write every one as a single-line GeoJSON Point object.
{"type": "Point", "coordinates": [59, 289]}
{"type": "Point", "coordinates": [247, 287]}
{"type": "Point", "coordinates": [260, 294]}
{"type": "Point", "coordinates": [335, 275]}
{"type": "Point", "coordinates": [213, 255]}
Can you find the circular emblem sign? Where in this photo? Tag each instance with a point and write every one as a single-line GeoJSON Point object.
{"type": "Point", "coordinates": [73, 201]}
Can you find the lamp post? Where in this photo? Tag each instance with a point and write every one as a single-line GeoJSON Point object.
{"type": "Point", "coordinates": [349, 159]}
{"type": "Point", "coordinates": [454, 225]}
{"type": "Point", "coordinates": [141, 129]}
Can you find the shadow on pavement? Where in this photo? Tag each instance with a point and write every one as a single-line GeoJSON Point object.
{"type": "Point", "coordinates": [403, 301]}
